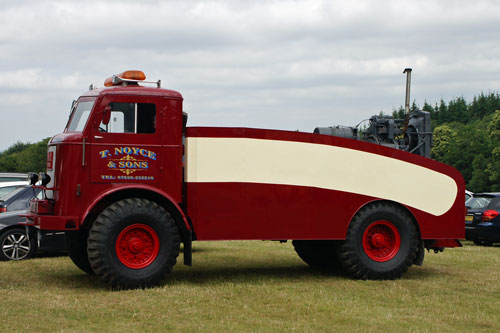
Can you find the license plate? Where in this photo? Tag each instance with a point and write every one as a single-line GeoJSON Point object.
{"type": "Point", "coordinates": [469, 218]}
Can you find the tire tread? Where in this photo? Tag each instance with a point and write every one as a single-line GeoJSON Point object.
{"type": "Point", "coordinates": [348, 250]}
{"type": "Point", "coordinates": [102, 228]}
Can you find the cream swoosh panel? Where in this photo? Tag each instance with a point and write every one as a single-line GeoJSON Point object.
{"type": "Point", "coordinates": [315, 165]}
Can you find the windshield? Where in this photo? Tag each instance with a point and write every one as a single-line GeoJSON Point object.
{"type": "Point", "coordinates": [7, 189]}
{"type": "Point", "coordinates": [80, 116]}
{"type": "Point", "coordinates": [13, 193]}
{"type": "Point", "coordinates": [478, 202]}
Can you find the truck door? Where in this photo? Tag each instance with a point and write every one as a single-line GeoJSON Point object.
{"type": "Point", "coordinates": [128, 148]}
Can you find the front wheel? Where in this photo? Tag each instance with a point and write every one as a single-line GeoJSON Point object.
{"type": "Point", "coordinates": [381, 243]}
{"type": "Point", "coordinates": [133, 243]}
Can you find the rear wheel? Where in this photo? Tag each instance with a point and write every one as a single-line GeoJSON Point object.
{"type": "Point", "coordinates": [318, 253]}
{"type": "Point", "coordinates": [133, 243]}
{"type": "Point", "coordinates": [76, 243]}
{"type": "Point", "coordinates": [15, 245]}
{"type": "Point", "coordinates": [381, 243]}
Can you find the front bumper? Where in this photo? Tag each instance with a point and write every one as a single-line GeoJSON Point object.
{"type": "Point", "coordinates": [52, 222]}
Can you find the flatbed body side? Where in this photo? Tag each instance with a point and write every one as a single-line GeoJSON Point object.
{"type": "Point", "coordinates": [264, 184]}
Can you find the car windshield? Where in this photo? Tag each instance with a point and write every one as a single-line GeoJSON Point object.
{"type": "Point", "coordinates": [478, 202]}
{"type": "Point", "coordinates": [80, 116]}
{"type": "Point", "coordinates": [6, 190]}
{"type": "Point", "coordinates": [13, 193]}
{"type": "Point", "coordinates": [494, 204]}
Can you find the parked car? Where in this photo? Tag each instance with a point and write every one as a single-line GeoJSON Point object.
{"type": "Point", "coordinates": [482, 222]}
{"type": "Point", "coordinates": [7, 187]}
{"type": "Point", "coordinates": [13, 177]}
{"type": "Point", "coordinates": [19, 198]}
{"type": "Point", "coordinates": [468, 195]}
{"type": "Point", "coordinates": [20, 242]}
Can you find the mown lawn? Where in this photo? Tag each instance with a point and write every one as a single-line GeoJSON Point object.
{"type": "Point", "coordinates": [257, 286]}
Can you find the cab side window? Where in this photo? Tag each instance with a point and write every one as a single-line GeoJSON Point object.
{"type": "Point", "coordinates": [131, 118]}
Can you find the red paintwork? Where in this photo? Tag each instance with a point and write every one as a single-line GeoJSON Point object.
{"type": "Point", "coordinates": [53, 222]}
{"type": "Point", "coordinates": [50, 160]}
{"type": "Point", "coordinates": [216, 211]}
{"type": "Point", "coordinates": [294, 212]}
{"type": "Point", "coordinates": [137, 246]}
{"type": "Point", "coordinates": [43, 207]}
{"type": "Point", "coordinates": [143, 187]}
{"type": "Point", "coordinates": [381, 241]}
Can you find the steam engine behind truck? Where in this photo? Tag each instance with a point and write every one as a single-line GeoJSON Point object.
{"type": "Point", "coordinates": [128, 182]}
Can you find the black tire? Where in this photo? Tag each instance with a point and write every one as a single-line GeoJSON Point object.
{"type": "Point", "coordinates": [381, 243]}
{"type": "Point", "coordinates": [318, 253]}
{"type": "Point", "coordinates": [133, 243]}
{"type": "Point", "coordinates": [16, 245]}
{"type": "Point", "coordinates": [76, 243]}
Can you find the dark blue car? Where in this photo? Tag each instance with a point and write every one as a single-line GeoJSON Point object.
{"type": "Point", "coordinates": [482, 222]}
{"type": "Point", "coordinates": [17, 241]}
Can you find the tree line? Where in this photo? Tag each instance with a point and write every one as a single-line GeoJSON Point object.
{"type": "Point", "coordinates": [24, 157]}
{"type": "Point", "coordinates": [466, 135]}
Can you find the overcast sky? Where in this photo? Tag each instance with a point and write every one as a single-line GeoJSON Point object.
{"type": "Point", "coordinates": [269, 64]}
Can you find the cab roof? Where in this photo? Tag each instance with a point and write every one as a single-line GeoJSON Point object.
{"type": "Point", "coordinates": [133, 90]}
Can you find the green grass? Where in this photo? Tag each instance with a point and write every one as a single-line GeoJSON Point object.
{"type": "Point", "coordinates": [257, 286]}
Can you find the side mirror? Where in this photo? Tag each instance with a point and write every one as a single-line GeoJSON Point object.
{"type": "Point", "coordinates": [107, 115]}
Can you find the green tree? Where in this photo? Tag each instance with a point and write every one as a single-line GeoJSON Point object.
{"type": "Point", "coordinates": [493, 167]}
{"type": "Point", "coordinates": [398, 113]}
{"type": "Point", "coordinates": [469, 150]}
{"type": "Point", "coordinates": [15, 148]}
{"type": "Point", "coordinates": [443, 112]}
{"type": "Point", "coordinates": [25, 157]}
{"type": "Point", "coordinates": [442, 137]}
{"type": "Point", "coordinates": [414, 106]}
{"type": "Point", "coordinates": [480, 179]}
{"type": "Point", "coordinates": [458, 110]}
{"type": "Point", "coordinates": [483, 105]}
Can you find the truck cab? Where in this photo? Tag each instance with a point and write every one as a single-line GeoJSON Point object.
{"type": "Point", "coordinates": [115, 137]}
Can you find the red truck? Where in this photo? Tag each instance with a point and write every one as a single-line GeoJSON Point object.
{"type": "Point", "coordinates": [128, 182]}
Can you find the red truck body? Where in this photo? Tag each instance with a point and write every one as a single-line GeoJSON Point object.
{"type": "Point", "coordinates": [233, 183]}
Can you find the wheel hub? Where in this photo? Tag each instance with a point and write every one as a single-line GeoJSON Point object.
{"type": "Point", "coordinates": [381, 241]}
{"type": "Point", "coordinates": [137, 246]}
{"type": "Point", "coordinates": [378, 240]}
{"type": "Point", "coordinates": [16, 246]}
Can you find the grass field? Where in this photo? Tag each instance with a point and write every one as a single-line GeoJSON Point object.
{"type": "Point", "coordinates": [257, 286]}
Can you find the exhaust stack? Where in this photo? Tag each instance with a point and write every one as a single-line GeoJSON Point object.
{"type": "Point", "coordinates": [407, 98]}
{"type": "Point", "coordinates": [408, 83]}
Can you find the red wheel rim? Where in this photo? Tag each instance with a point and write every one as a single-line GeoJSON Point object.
{"type": "Point", "coordinates": [381, 241]}
{"type": "Point", "coordinates": [137, 246]}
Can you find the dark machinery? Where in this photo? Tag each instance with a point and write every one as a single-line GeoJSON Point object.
{"type": "Point", "coordinates": [412, 134]}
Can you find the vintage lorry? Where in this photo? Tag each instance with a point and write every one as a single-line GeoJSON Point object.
{"type": "Point", "coordinates": [128, 182]}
